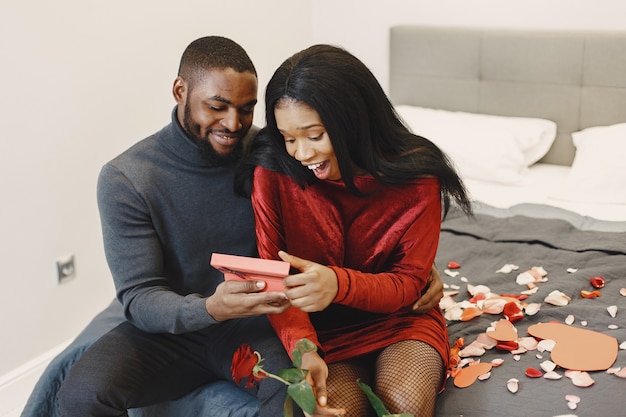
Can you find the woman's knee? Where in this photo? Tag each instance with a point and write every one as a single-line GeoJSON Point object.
{"type": "Point", "coordinates": [408, 377]}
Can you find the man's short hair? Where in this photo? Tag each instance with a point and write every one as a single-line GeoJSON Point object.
{"type": "Point", "coordinates": [213, 52]}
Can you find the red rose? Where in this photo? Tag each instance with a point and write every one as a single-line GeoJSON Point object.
{"type": "Point", "coordinates": [243, 366]}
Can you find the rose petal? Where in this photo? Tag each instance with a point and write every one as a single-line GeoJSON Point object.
{"type": "Point", "coordinates": [519, 350]}
{"type": "Point", "coordinates": [509, 345]}
{"type": "Point", "coordinates": [533, 373]}
{"type": "Point", "coordinates": [473, 349]}
{"type": "Point", "coordinates": [612, 310]}
{"type": "Point", "coordinates": [451, 273]}
{"type": "Point", "coordinates": [621, 373]}
{"type": "Point", "coordinates": [486, 341]}
{"type": "Point", "coordinates": [493, 305]}
{"type": "Point", "coordinates": [453, 313]}
{"type": "Point", "coordinates": [572, 398]}
{"type": "Point", "coordinates": [477, 289]}
{"type": "Point", "coordinates": [530, 343]}
{"type": "Point", "coordinates": [597, 282]}
{"type": "Point", "coordinates": [532, 309]}
{"type": "Point", "coordinates": [538, 271]}
{"type": "Point", "coordinates": [552, 375]}
{"type": "Point", "coordinates": [557, 298]}
{"type": "Point", "coordinates": [497, 362]}
{"type": "Point", "coordinates": [453, 265]}
{"type": "Point", "coordinates": [580, 378]}
{"type": "Point", "coordinates": [590, 294]}
{"type": "Point", "coordinates": [548, 366]}
{"type": "Point", "coordinates": [447, 302]}
{"type": "Point", "coordinates": [524, 278]}
{"type": "Point", "coordinates": [507, 268]}
{"type": "Point", "coordinates": [569, 319]}
{"type": "Point", "coordinates": [530, 291]}
{"type": "Point", "coordinates": [478, 298]}
{"type": "Point", "coordinates": [484, 376]}
{"type": "Point", "coordinates": [513, 312]}
{"type": "Point", "coordinates": [512, 385]}
{"type": "Point", "coordinates": [546, 345]}
{"type": "Point", "coordinates": [623, 291]}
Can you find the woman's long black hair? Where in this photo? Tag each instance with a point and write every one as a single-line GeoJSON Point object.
{"type": "Point", "coordinates": [362, 125]}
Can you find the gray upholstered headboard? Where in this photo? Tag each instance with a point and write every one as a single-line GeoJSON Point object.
{"type": "Point", "coordinates": [575, 78]}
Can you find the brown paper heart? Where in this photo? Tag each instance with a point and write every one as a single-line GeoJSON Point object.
{"type": "Point", "coordinates": [503, 331]}
{"type": "Point", "coordinates": [468, 374]}
{"type": "Point", "coordinates": [578, 349]}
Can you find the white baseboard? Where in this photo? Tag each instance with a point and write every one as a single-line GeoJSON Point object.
{"type": "Point", "coordinates": [16, 386]}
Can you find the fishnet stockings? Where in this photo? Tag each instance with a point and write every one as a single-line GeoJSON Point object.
{"type": "Point", "coordinates": [344, 392]}
{"type": "Point", "coordinates": [408, 377]}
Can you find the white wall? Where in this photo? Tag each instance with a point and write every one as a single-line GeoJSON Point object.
{"type": "Point", "coordinates": [81, 81]}
{"type": "Point", "coordinates": [84, 79]}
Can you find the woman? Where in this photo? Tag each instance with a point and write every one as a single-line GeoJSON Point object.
{"type": "Point", "coordinates": [354, 201]}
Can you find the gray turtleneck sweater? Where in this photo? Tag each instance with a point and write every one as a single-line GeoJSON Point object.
{"type": "Point", "coordinates": [164, 210]}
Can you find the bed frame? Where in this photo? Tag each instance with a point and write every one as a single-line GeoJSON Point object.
{"type": "Point", "coordinates": [578, 80]}
{"type": "Point", "coordinates": [575, 78]}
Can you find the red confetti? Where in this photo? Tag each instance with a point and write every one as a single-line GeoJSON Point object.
{"type": "Point", "coordinates": [520, 297]}
{"type": "Point", "coordinates": [513, 312]}
{"type": "Point", "coordinates": [475, 299]}
{"type": "Point", "coordinates": [533, 373]}
{"type": "Point", "coordinates": [453, 265]}
{"type": "Point", "coordinates": [597, 282]}
{"type": "Point", "coordinates": [507, 345]}
{"type": "Point", "coordinates": [590, 294]}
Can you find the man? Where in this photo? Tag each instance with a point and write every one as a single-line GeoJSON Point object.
{"type": "Point", "coordinates": [166, 204]}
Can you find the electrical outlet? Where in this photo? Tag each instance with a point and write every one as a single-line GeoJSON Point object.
{"type": "Point", "coordinates": [65, 268]}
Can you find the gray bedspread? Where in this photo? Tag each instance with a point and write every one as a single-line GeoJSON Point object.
{"type": "Point", "coordinates": [497, 237]}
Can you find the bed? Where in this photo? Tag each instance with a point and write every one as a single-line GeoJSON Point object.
{"type": "Point", "coordinates": [507, 106]}
{"type": "Point", "coordinates": [535, 121]}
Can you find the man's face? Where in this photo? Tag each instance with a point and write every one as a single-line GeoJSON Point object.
{"type": "Point", "coordinates": [217, 111]}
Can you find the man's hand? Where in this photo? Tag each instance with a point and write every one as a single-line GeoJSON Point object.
{"type": "Point", "coordinates": [433, 294]}
{"type": "Point", "coordinates": [314, 288]}
{"type": "Point", "coordinates": [238, 299]}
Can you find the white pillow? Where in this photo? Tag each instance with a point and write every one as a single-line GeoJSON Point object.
{"type": "Point", "coordinates": [598, 174]}
{"type": "Point", "coordinates": [484, 147]}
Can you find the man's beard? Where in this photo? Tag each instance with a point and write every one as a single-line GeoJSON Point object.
{"type": "Point", "coordinates": [204, 146]}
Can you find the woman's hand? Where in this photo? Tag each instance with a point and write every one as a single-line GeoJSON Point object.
{"type": "Point", "coordinates": [314, 288]}
{"type": "Point", "coordinates": [433, 294]}
{"type": "Point", "coordinates": [317, 376]}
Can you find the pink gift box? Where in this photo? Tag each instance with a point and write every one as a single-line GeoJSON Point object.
{"type": "Point", "coordinates": [242, 268]}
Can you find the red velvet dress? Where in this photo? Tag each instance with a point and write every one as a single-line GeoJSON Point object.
{"type": "Point", "coordinates": [381, 247]}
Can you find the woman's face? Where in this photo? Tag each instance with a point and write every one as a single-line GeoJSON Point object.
{"type": "Point", "coordinates": [306, 138]}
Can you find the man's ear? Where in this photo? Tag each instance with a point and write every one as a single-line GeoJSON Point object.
{"type": "Point", "coordinates": [179, 90]}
